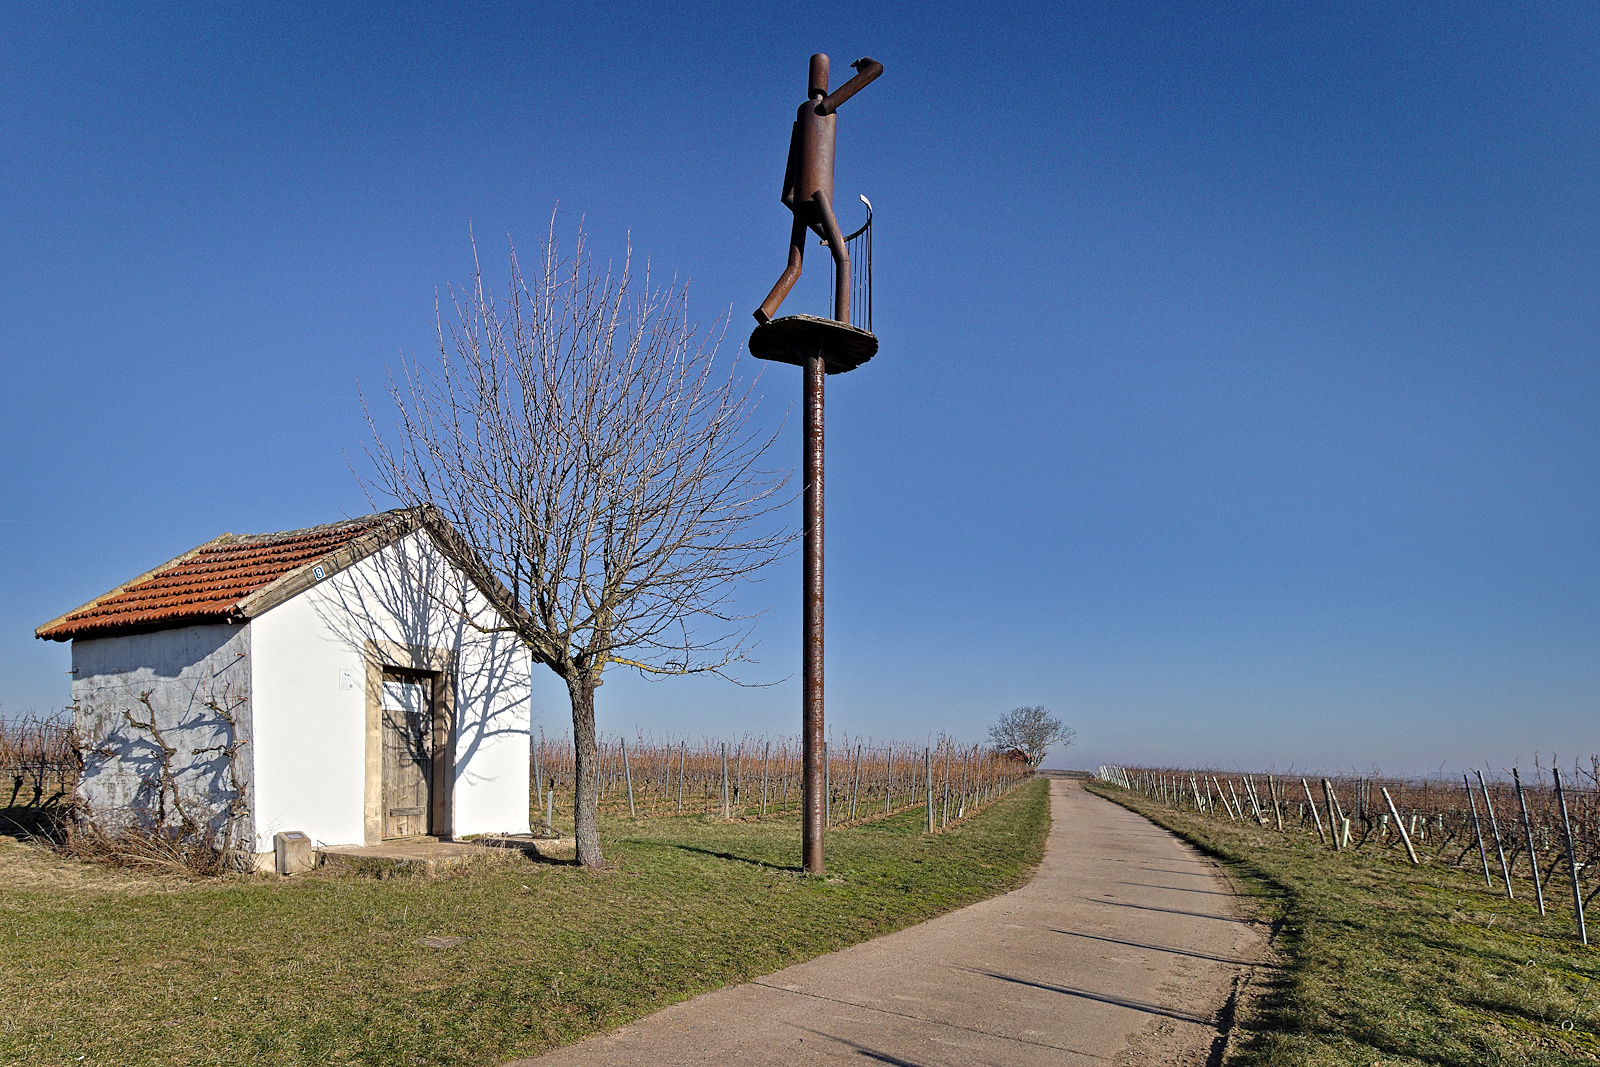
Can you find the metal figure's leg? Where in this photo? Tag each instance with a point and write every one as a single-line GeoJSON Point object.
{"type": "Point", "coordinates": [841, 257]}
{"type": "Point", "coordinates": [790, 275]}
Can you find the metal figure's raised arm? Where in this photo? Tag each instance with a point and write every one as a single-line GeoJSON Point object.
{"type": "Point", "coordinates": [808, 183]}
{"type": "Point", "coordinates": [867, 69]}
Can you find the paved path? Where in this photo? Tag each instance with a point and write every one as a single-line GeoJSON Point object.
{"type": "Point", "coordinates": [1123, 948]}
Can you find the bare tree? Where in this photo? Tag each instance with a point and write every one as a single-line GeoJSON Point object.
{"type": "Point", "coordinates": [592, 459]}
{"type": "Point", "coordinates": [1030, 730]}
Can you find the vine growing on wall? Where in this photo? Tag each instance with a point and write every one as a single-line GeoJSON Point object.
{"type": "Point", "coordinates": [192, 830]}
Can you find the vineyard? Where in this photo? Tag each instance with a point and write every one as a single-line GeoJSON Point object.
{"type": "Point", "coordinates": [39, 767]}
{"type": "Point", "coordinates": [1536, 837]}
{"type": "Point", "coordinates": [758, 777]}
{"type": "Point", "coordinates": [748, 778]}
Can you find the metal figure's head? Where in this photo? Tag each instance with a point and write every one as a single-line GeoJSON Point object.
{"type": "Point", "coordinates": [819, 76]}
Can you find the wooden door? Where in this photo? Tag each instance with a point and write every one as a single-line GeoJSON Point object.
{"type": "Point", "coordinates": [407, 709]}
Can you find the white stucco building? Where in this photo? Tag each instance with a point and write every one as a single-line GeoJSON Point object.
{"type": "Point", "coordinates": [346, 681]}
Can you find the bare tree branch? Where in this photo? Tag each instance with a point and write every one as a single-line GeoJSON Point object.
{"type": "Point", "coordinates": [1030, 730]}
{"type": "Point", "coordinates": [597, 460]}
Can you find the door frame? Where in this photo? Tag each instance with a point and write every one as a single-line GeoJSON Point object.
{"type": "Point", "coordinates": [440, 665]}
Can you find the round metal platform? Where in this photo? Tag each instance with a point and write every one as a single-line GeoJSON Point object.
{"type": "Point", "coordinates": [794, 337]}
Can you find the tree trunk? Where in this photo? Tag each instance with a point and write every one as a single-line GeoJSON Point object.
{"type": "Point", "coordinates": [586, 799]}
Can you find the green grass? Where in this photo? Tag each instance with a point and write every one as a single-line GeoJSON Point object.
{"type": "Point", "coordinates": [1386, 963]}
{"type": "Point", "coordinates": [105, 967]}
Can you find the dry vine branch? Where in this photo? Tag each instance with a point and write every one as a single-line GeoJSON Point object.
{"type": "Point", "coordinates": [596, 462]}
{"type": "Point", "coordinates": [194, 830]}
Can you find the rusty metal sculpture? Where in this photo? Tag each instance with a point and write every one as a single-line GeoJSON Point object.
{"type": "Point", "coordinates": [808, 183]}
{"type": "Point", "coordinates": [820, 347]}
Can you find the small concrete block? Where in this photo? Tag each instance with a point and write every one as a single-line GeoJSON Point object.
{"type": "Point", "coordinates": [292, 852]}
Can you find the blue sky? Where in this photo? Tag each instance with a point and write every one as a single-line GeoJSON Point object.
{"type": "Point", "coordinates": [1238, 389]}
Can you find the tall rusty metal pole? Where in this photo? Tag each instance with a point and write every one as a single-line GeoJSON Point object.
{"type": "Point", "coordinates": [812, 707]}
{"type": "Point", "coordinates": [819, 347]}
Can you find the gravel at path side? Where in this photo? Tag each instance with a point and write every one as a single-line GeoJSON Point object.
{"type": "Point", "coordinates": [1123, 948]}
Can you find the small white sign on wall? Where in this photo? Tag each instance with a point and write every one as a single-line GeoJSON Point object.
{"type": "Point", "coordinates": [347, 678]}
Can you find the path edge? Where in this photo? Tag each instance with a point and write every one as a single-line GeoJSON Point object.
{"type": "Point", "coordinates": [1030, 872]}
{"type": "Point", "coordinates": [1251, 992]}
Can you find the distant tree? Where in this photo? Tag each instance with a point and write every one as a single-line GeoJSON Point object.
{"type": "Point", "coordinates": [577, 435]}
{"type": "Point", "coordinates": [1030, 730]}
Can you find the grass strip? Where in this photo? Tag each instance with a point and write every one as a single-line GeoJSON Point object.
{"type": "Point", "coordinates": [106, 967]}
{"type": "Point", "coordinates": [1386, 963]}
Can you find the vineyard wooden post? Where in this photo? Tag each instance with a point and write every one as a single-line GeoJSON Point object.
{"type": "Point", "coordinates": [1527, 829]}
{"type": "Point", "coordinates": [766, 762]}
{"type": "Point", "coordinates": [1477, 828]}
{"type": "Point", "coordinates": [627, 772]}
{"type": "Point", "coordinates": [1333, 816]}
{"type": "Point", "coordinates": [1400, 825]}
{"type": "Point", "coordinates": [961, 804]}
{"type": "Point", "coordinates": [1572, 858]}
{"type": "Point", "coordinates": [538, 775]}
{"type": "Point", "coordinates": [738, 779]}
{"type": "Point", "coordinates": [855, 788]}
{"type": "Point", "coordinates": [727, 811]}
{"type": "Point", "coordinates": [1494, 828]}
{"type": "Point", "coordinates": [1312, 804]}
{"type": "Point", "coordinates": [944, 796]}
{"type": "Point", "coordinates": [1255, 803]}
{"type": "Point", "coordinates": [1344, 820]}
{"type": "Point", "coordinates": [927, 768]}
{"type": "Point", "coordinates": [827, 786]}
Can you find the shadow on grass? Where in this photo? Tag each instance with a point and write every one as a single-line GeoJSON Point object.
{"type": "Point", "coordinates": [27, 822]}
{"type": "Point", "coordinates": [529, 850]}
{"type": "Point", "coordinates": [734, 858]}
{"type": "Point", "coordinates": [553, 861]}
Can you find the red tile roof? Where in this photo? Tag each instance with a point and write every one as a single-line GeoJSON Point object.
{"type": "Point", "coordinates": [208, 583]}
